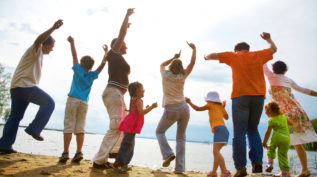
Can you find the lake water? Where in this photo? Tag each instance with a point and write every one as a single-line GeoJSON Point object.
{"type": "Point", "coordinates": [147, 153]}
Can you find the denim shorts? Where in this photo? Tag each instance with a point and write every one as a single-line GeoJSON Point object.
{"type": "Point", "coordinates": [221, 134]}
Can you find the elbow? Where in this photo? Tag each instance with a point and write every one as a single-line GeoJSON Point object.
{"type": "Point", "coordinates": [274, 50]}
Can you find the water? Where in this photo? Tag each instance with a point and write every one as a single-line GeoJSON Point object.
{"type": "Point", "coordinates": [147, 153]}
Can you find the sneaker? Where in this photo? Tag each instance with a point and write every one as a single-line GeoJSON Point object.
{"type": "Point", "coordinates": [106, 165]}
{"type": "Point", "coordinates": [212, 174]}
{"type": "Point", "coordinates": [227, 174]}
{"type": "Point", "coordinates": [78, 157]}
{"type": "Point", "coordinates": [168, 160]}
{"type": "Point", "coordinates": [269, 168]}
{"type": "Point", "coordinates": [241, 172]}
{"type": "Point", "coordinates": [64, 157]}
{"type": "Point", "coordinates": [257, 168]}
{"type": "Point", "coordinates": [38, 137]}
{"type": "Point", "coordinates": [7, 151]}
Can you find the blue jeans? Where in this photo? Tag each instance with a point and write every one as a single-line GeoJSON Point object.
{"type": "Point", "coordinates": [126, 150]}
{"type": "Point", "coordinates": [246, 114]}
{"type": "Point", "coordinates": [20, 99]}
{"type": "Point", "coordinates": [174, 113]}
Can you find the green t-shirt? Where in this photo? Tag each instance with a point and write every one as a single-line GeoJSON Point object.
{"type": "Point", "coordinates": [279, 125]}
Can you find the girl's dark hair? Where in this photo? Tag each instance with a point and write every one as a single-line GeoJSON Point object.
{"type": "Point", "coordinates": [48, 41]}
{"type": "Point", "coordinates": [273, 106]}
{"type": "Point", "coordinates": [132, 88]}
{"type": "Point", "coordinates": [279, 67]}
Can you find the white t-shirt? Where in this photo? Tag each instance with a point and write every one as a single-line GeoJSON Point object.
{"type": "Point", "coordinates": [28, 72]}
{"type": "Point", "coordinates": [281, 80]}
{"type": "Point", "coordinates": [173, 88]}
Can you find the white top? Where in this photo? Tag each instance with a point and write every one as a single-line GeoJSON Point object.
{"type": "Point", "coordinates": [173, 88]}
{"type": "Point", "coordinates": [282, 80]}
{"type": "Point", "coordinates": [28, 72]}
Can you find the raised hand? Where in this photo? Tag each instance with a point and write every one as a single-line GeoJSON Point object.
{"type": "Point", "coordinates": [266, 36]}
{"type": "Point", "coordinates": [191, 45]}
{"type": "Point", "coordinates": [130, 11]}
{"type": "Point", "coordinates": [70, 39]}
{"type": "Point", "coordinates": [105, 48]}
{"type": "Point", "coordinates": [178, 54]}
{"type": "Point", "coordinates": [57, 24]}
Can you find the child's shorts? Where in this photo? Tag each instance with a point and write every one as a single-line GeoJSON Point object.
{"type": "Point", "coordinates": [221, 135]}
{"type": "Point", "coordinates": [75, 115]}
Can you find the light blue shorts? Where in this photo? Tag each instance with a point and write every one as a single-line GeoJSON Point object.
{"type": "Point", "coordinates": [221, 134]}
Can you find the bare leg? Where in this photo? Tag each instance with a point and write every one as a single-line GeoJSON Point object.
{"type": "Point", "coordinates": [67, 139]}
{"type": "Point", "coordinates": [218, 159]}
{"type": "Point", "coordinates": [80, 141]}
{"type": "Point", "coordinates": [301, 153]}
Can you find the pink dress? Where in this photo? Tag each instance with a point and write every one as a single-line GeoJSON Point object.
{"type": "Point", "coordinates": [133, 122]}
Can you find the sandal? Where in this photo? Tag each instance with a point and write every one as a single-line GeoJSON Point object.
{"type": "Point", "coordinates": [269, 168]}
{"type": "Point", "coordinates": [78, 157]}
{"type": "Point", "coordinates": [64, 157]}
{"type": "Point", "coordinates": [212, 174]}
{"type": "Point", "coordinates": [227, 174]}
{"type": "Point", "coordinates": [119, 168]}
{"type": "Point", "coordinates": [306, 174]}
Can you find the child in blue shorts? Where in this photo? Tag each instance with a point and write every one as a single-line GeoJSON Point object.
{"type": "Point", "coordinates": [77, 106]}
{"type": "Point", "coordinates": [217, 112]}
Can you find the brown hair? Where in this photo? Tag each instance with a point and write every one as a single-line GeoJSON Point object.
{"type": "Point", "coordinates": [273, 107]}
{"type": "Point", "coordinates": [132, 88]}
{"type": "Point", "coordinates": [87, 62]}
{"type": "Point", "coordinates": [176, 67]}
{"type": "Point", "coordinates": [241, 46]}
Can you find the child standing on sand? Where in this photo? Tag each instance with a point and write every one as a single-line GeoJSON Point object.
{"type": "Point", "coordinates": [280, 139]}
{"type": "Point", "coordinates": [131, 125]}
{"type": "Point", "coordinates": [77, 106]}
{"type": "Point", "coordinates": [217, 113]}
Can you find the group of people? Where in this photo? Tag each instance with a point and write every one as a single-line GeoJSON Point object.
{"type": "Point", "coordinates": [288, 120]}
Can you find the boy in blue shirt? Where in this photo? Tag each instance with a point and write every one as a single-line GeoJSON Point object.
{"type": "Point", "coordinates": [77, 102]}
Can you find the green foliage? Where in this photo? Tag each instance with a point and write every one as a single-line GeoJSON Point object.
{"type": "Point", "coordinates": [4, 93]}
{"type": "Point", "coordinates": [312, 146]}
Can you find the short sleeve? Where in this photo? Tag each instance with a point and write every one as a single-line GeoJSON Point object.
{"type": "Point", "coordinates": [77, 67]}
{"type": "Point", "coordinates": [225, 57]}
{"type": "Point", "coordinates": [265, 54]}
{"type": "Point", "coordinates": [271, 122]}
{"type": "Point", "coordinates": [93, 75]}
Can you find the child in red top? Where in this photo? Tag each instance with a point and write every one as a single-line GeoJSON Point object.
{"type": "Point", "coordinates": [131, 125]}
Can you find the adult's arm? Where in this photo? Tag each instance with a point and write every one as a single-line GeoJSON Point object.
{"type": "Point", "coordinates": [211, 56]}
{"type": "Point", "coordinates": [190, 66]}
{"type": "Point", "coordinates": [167, 62]}
{"type": "Point", "coordinates": [195, 107]}
{"type": "Point", "coordinates": [73, 49]}
{"type": "Point", "coordinates": [266, 136]}
{"type": "Point", "coordinates": [303, 90]}
{"type": "Point", "coordinates": [103, 62]}
{"type": "Point", "coordinates": [267, 37]}
{"type": "Point", "coordinates": [123, 31]}
{"type": "Point", "coordinates": [42, 37]}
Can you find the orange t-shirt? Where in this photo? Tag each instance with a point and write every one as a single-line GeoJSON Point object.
{"type": "Point", "coordinates": [216, 114]}
{"type": "Point", "coordinates": [247, 71]}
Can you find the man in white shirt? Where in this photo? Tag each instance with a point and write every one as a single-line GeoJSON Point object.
{"type": "Point", "coordinates": [24, 90]}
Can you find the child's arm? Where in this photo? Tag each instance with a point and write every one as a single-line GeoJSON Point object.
{"type": "Point", "coordinates": [123, 31]}
{"type": "Point", "coordinates": [142, 111]}
{"type": "Point", "coordinates": [266, 136]}
{"type": "Point", "coordinates": [73, 49]}
{"type": "Point", "coordinates": [103, 62]}
{"type": "Point", "coordinates": [42, 37]}
{"type": "Point", "coordinates": [167, 62]}
{"type": "Point", "coordinates": [197, 108]}
{"type": "Point", "coordinates": [225, 114]}
{"type": "Point", "coordinates": [193, 59]}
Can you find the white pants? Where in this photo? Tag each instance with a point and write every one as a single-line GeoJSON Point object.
{"type": "Point", "coordinates": [114, 102]}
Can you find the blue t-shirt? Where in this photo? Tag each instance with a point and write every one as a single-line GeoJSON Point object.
{"type": "Point", "coordinates": [82, 82]}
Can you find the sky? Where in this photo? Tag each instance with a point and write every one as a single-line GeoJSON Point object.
{"type": "Point", "coordinates": [158, 30]}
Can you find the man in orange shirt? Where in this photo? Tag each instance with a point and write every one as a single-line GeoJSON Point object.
{"type": "Point", "coordinates": [248, 93]}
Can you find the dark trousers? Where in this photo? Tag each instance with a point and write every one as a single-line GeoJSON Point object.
{"type": "Point", "coordinates": [126, 150]}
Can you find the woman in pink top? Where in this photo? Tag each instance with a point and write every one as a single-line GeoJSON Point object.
{"type": "Point", "coordinates": [131, 125]}
{"type": "Point", "coordinates": [300, 127]}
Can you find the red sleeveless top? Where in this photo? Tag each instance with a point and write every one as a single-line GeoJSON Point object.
{"type": "Point", "coordinates": [133, 122]}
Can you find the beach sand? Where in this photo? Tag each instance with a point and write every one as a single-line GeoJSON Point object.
{"type": "Point", "coordinates": [22, 165]}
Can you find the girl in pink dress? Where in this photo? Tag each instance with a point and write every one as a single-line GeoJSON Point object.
{"type": "Point", "coordinates": [300, 127]}
{"type": "Point", "coordinates": [131, 125]}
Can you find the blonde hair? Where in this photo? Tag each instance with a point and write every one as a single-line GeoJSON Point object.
{"type": "Point", "coordinates": [176, 67]}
